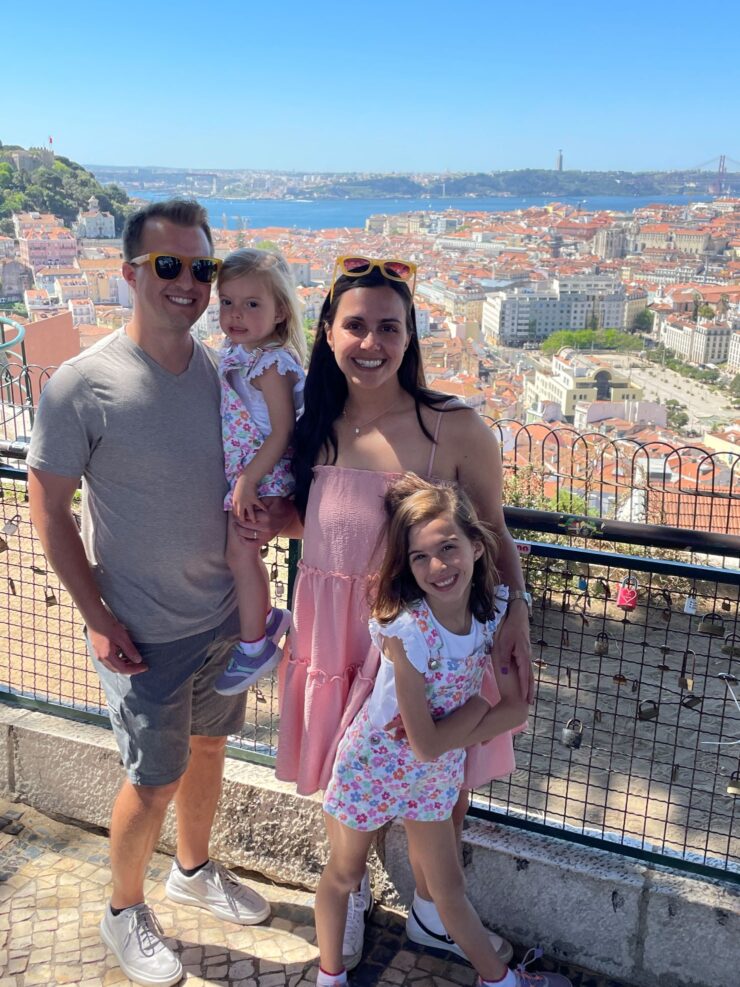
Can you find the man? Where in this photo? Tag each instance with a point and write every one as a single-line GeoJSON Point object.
{"type": "Point", "coordinates": [137, 416]}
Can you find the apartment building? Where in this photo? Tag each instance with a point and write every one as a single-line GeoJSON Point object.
{"type": "Point", "coordinates": [573, 379]}
{"type": "Point", "coordinates": [702, 342]}
{"type": "Point", "coordinates": [83, 311]}
{"type": "Point", "coordinates": [47, 248]}
{"type": "Point", "coordinates": [733, 352]}
{"type": "Point", "coordinates": [534, 311]}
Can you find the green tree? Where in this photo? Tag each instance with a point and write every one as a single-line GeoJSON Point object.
{"type": "Point", "coordinates": [643, 321]}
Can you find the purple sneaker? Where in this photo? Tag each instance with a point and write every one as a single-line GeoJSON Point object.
{"type": "Point", "coordinates": [244, 670]}
{"type": "Point", "coordinates": [278, 625]}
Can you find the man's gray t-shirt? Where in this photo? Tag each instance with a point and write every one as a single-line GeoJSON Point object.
{"type": "Point", "coordinates": [148, 446]}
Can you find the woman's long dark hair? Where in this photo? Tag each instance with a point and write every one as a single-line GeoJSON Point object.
{"type": "Point", "coordinates": [326, 386]}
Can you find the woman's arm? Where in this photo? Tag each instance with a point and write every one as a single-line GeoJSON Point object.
{"type": "Point", "coordinates": [479, 472]}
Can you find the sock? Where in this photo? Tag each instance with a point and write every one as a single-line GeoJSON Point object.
{"type": "Point", "coordinates": [190, 871]}
{"type": "Point", "coordinates": [426, 912]}
{"type": "Point", "coordinates": [117, 911]}
{"type": "Point", "coordinates": [253, 647]}
{"type": "Point", "coordinates": [325, 979]}
{"type": "Point", "coordinates": [508, 980]}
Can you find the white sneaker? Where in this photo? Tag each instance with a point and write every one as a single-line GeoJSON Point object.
{"type": "Point", "coordinates": [135, 938]}
{"type": "Point", "coordinates": [524, 979]}
{"type": "Point", "coordinates": [221, 892]}
{"type": "Point", "coordinates": [421, 933]}
{"type": "Point", "coordinates": [359, 906]}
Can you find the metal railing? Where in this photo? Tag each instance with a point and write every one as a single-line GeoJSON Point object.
{"type": "Point", "coordinates": [630, 741]}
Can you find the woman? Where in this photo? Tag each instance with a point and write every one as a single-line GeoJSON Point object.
{"type": "Point", "coordinates": [369, 418]}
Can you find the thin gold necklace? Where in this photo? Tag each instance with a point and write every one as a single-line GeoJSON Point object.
{"type": "Point", "coordinates": [358, 428]}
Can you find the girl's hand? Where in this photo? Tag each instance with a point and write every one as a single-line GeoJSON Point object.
{"type": "Point", "coordinates": [396, 728]}
{"type": "Point", "coordinates": [245, 501]}
{"type": "Point", "coordinates": [512, 645]}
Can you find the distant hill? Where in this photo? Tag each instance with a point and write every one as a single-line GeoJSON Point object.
{"type": "Point", "coordinates": [247, 183]}
{"type": "Point", "coordinates": [45, 182]}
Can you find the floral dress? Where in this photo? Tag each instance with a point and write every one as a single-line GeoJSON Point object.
{"type": "Point", "coordinates": [377, 778]}
{"type": "Point", "coordinates": [245, 421]}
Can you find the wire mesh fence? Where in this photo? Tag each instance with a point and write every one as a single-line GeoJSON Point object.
{"type": "Point", "coordinates": [631, 740]}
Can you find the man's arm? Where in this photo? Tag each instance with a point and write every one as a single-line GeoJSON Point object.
{"type": "Point", "coordinates": [50, 499]}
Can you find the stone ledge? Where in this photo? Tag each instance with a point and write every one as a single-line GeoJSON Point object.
{"type": "Point", "coordinates": [649, 925]}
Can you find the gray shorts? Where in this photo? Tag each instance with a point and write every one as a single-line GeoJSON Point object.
{"type": "Point", "coordinates": [155, 713]}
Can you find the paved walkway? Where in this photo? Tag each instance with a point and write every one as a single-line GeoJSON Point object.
{"type": "Point", "coordinates": [54, 879]}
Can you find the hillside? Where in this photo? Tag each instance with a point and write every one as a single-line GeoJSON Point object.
{"type": "Point", "coordinates": [51, 183]}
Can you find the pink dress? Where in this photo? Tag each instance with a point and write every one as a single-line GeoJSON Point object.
{"type": "Point", "coordinates": [330, 661]}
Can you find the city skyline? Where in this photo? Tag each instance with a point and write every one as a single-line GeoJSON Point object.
{"type": "Point", "coordinates": [419, 89]}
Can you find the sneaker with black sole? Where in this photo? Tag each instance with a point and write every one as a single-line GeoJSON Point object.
{"type": "Point", "coordinates": [221, 892]}
{"type": "Point", "coordinates": [418, 932]}
{"type": "Point", "coordinates": [359, 907]}
{"type": "Point", "coordinates": [134, 936]}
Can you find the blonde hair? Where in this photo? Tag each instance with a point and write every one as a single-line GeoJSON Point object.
{"type": "Point", "coordinates": [412, 500]}
{"type": "Point", "coordinates": [275, 271]}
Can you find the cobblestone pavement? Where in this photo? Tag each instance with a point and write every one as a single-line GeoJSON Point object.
{"type": "Point", "coordinates": [54, 879]}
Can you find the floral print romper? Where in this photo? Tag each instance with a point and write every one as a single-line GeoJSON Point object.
{"type": "Point", "coordinates": [376, 778]}
{"type": "Point", "coordinates": [242, 437]}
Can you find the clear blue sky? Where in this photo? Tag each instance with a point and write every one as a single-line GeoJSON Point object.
{"type": "Point", "coordinates": [415, 85]}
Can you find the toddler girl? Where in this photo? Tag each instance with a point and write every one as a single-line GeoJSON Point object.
{"type": "Point", "coordinates": [261, 372]}
{"type": "Point", "coordinates": [434, 617]}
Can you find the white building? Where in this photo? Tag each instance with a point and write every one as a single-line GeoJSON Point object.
{"type": "Point", "coordinates": [705, 342]}
{"type": "Point", "coordinates": [532, 312]}
{"type": "Point", "coordinates": [575, 379]}
{"type": "Point", "coordinates": [95, 224]}
{"type": "Point", "coordinates": [83, 311]}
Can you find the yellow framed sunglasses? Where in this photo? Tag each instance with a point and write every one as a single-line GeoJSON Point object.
{"type": "Point", "coordinates": [167, 267]}
{"type": "Point", "coordinates": [354, 266]}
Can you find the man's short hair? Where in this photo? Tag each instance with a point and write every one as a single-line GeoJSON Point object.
{"type": "Point", "coordinates": [182, 212]}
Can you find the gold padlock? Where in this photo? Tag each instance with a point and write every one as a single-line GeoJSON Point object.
{"type": "Point", "coordinates": [712, 623]}
{"type": "Point", "coordinates": [686, 680]}
{"type": "Point", "coordinates": [733, 787]}
{"type": "Point", "coordinates": [50, 598]}
{"type": "Point", "coordinates": [731, 645]}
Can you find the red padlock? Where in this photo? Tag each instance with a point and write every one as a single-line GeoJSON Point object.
{"type": "Point", "coordinates": [627, 593]}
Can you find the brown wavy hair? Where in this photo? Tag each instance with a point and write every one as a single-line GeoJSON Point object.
{"type": "Point", "coordinates": [412, 500]}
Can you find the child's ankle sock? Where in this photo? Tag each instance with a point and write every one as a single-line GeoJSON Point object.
{"type": "Point", "coordinates": [426, 912]}
{"type": "Point", "coordinates": [253, 647]}
{"type": "Point", "coordinates": [509, 980]}
{"type": "Point", "coordinates": [325, 979]}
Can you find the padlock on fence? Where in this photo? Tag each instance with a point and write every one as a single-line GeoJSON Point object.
{"type": "Point", "coordinates": [572, 733]}
{"type": "Point", "coordinates": [689, 604]}
{"type": "Point", "coordinates": [601, 643]}
{"type": "Point", "coordinates": [726, 604]}
{"type": "Point", "coordinates": [731, 645]}
{"type": "Point", "coordinates": [11, 527]}
{"type": "Point", "coordinates": [686, 677]}
{"type": "Point", "coordinates": [647, 710]}
{"type": "Point", "coordinates": [627, 594]}
{"type": "Point", "coordinates": [733, 787]}
{"type": "Point", "coordinates": [712, 623]}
